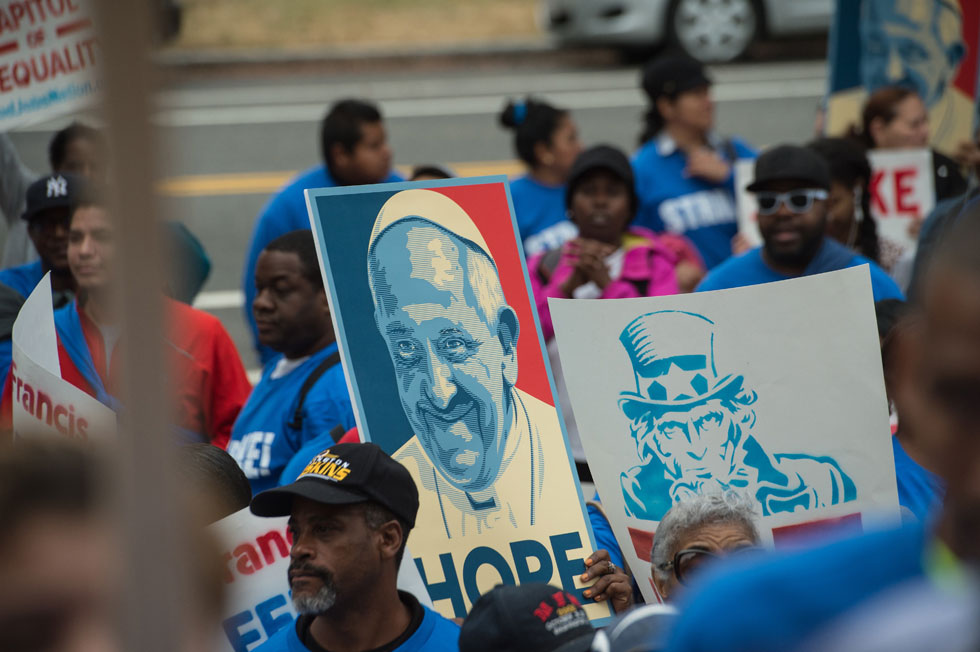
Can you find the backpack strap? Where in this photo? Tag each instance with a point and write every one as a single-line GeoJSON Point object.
{"type": "Point", "coordinates": [297, 421]}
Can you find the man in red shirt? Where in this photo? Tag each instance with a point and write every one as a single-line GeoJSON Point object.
{"type": "Point", "coordinates": [207, 376]}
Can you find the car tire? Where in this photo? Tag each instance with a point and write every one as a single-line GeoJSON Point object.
{"type": "Point", "coordinates": [714, 31]}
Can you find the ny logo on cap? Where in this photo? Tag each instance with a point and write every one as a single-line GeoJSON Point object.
{"type": "Point", "coordinates": [57, 187]}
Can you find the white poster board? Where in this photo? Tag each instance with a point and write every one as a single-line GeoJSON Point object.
{"type": "Point", "coordinates": [43, 403]}
{"type": "Point", "coordinates": [49, 53]}
{"type": "Point", "coordinates": [773, 390]}
{"type": "Point", "coordinates": [902, 191]}
{"type": "Point", "coordinates": [256, 560]}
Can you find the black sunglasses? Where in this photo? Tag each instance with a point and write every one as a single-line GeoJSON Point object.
{"type": "Point", "coordinates": [688, 561]}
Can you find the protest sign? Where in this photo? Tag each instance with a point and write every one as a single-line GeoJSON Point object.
{"type": "Point", "coordinates": [774, 390]}
{"type": "Point", "coordinates": [255, 554]}
{"type": "Point", "coordinates": [928, 45]}
{"type": "Point", "coordinates": [901, 187]}
{"type": "Point", "coordinates": [902, 191]}
{"type": "Point", "coordinates": [443, 356]}
{"type": "Point", "coordinates": [48, 57]}
{"type": "Point", "coordinates": [44, 403]}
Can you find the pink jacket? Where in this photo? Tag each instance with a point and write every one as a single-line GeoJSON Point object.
{"type": "Point", "coordinates": [648, 271]}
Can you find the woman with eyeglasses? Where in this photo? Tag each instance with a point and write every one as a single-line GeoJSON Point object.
{"type": "Point", "coordinates": [698, 531]}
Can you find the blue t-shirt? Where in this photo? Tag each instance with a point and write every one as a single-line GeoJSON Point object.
{"type": "Point", "coordinates": [23, 278]}
{"type": "Point", "coordinates": [604, 537]}
{"type": "Point", "coordinates": [435, 634]}
{"type": "Point", "coordinates": [751, 269]}
{"type": "Point", "coordinates": [701, 210]}
{"type": "Point", "coordinates": [774, 602]}
{"type": "Point", "coordinates": [919, 490]}
{"type": "Point", "coordinates": [540, 214]}
{"type": "Point", "coordinates": [285, 212]}
{"type": "Point", "coordinates": [263, 443]}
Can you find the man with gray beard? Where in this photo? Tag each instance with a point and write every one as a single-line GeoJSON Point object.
{"type": "Point", "coordinates": [350, 512]}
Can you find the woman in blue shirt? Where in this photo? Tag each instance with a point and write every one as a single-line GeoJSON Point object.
{"type": "Point", "coordinates": [683, 171]}
{"type": "Point", "coordinates": [546, 140]}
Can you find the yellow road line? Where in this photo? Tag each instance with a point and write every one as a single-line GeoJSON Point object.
{"type": "Point", "coordinates": [248, 183]}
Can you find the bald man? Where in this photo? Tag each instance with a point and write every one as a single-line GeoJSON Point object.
{"type": "Point", "coordinates": [452, 339]}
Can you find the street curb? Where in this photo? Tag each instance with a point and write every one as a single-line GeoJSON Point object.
{"type": "Point", "coordinates": [539, 51]}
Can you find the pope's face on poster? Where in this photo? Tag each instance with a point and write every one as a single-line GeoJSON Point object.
{"type": "Point", "coordinates": [912, 43]}
{"type": "Point", "coordinates": [440, 308]}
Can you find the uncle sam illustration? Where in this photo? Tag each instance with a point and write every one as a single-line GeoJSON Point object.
{"type": "Point", "coordinates": [693, 427]}
{"type": "Point", "coordinates": [480, 444]}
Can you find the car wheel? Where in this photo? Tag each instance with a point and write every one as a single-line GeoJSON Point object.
{"type": "Point", "coordinates": [713, 30]}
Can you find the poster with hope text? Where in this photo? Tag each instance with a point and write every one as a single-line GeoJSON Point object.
{"type": "Point", "coordinates": [444, 360]}
{"type": "Point", "coordinates": [774, 391]}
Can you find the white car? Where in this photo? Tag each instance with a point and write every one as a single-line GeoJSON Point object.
{"type": "Point", "coordinates": [709, 30]}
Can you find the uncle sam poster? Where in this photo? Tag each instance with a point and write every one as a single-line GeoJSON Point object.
{"type": "Point", "coordinates": [930, 46]}
{"type": "Point", "coordinates": [774, 391]}
{"type": "Point", "coordinates": [443, 357]}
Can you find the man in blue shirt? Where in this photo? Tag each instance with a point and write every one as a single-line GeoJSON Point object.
{"type": "Point", "coordinates": [350, 513]}
{"type": "Point", "coordinates": [355, 150]}
{"type": "Point", "coordinates": [791, 185]}
{"type": "Point", "coordinates": [48, 214]}
{"type": "Point", "coordinates": [302, 394]}
{"type": "Point", "coordinates": [777, 602]}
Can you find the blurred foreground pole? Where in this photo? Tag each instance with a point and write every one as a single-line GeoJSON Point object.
{"type": "Point", "coordinates": [150, 525]}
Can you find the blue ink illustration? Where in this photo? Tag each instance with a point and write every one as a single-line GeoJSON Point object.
{"type": "Point", "coordinates": [913, 43]}
{"type": "Point", "coordinates": [693, 428]}
{"type": "Point", "coordinates": [452, 339]}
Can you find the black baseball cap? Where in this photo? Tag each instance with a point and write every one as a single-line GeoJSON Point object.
{"type": "Point", "coordinates": [51, 191]}
{"type": "Point", "coordinates": [345, 474]}
{"type": "Point", "coordinates": [672, 74]}
{"type": "Point", "coordinates": [791, 162]}
{"type": "Point", "coordinates": [529, 617]}
{"type": "Point", "coordinates": [600, 156]}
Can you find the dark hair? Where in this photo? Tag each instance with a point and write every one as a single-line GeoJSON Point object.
{"type": "Point", "coordinates": [58, 146]}
{"type": "Point", "coordinates": [89, 194]}
{"type": "Point", "coordinates": [208, 467]}
{"type": "Point", "coordinates": [533, 122]}
{"type": "Point", "coordinates": [50, 477]}
{"type": "Point", "coordinates": [880, 104]}
{"type": "Point", "coordinates": [342, 126]}
{"type": "Point", "coordinates": [433, 170]}
{"type": "Point", "coordinates": [376, 515]}
{"type": "Point", "coordinates": [849, 166]}
{"type": "Point", "coordinates": [300, 242]}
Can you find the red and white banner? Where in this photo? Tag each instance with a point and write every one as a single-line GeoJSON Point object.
{"type": "Point", "coordinates": [902, 191]}
{"type": "Point", "coordinates": [48, 60]}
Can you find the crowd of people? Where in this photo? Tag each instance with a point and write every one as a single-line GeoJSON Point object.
{"type": "Point", "coordinates": [594, 223]}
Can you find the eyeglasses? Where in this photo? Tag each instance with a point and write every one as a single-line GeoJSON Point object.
{"type": "Point", "coordinates": [798, 201]}
{"type": "Point", "coordinates": [689, 560]}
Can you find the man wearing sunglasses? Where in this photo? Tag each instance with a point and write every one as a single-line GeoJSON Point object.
{"type": "Point", "coordinates": [791, 185]}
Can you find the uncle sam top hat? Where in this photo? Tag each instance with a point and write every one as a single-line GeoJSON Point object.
{"type": "Point", "coordinates": [433, 207]}
{"type": "Point", "coordinates": [673, 359]}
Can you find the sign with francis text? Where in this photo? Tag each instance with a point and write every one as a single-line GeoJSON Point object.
{"type": "Point", "coordinates": [255, 554]}
{"type": "Point", "coordinates": [444, 360]}
{"type": "Point", "coordinates": [44, 403]}
{"type": "Point", "coordinates": [901, 188]}
{"type": "Point", "coordinates": [48, 57]}
{"type": "Point", "coordinates": [773, 390]}
{"type": "Point", "coordinates": [928, 45]}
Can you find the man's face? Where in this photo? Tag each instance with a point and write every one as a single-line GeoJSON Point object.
{"type": "Point", "coordinates": [91, 248]}
{"type": "Point", "coordinates": [910, 43]}
{"type": "Point", "coordinates": [454, 367]}
{"type": "Point", "coordinates": [49, 233]}
{"type": "Point", "coordinates": [369, 161]}
{"type": "Point", "coordinates": [334, 555]}
{"type": "Point", "coordinates": [696, 444]}
{"type": "Point", "coordinates": [84, 158]}
{"type": "Point", "coordinates": [291, 313]}
{"type": "Point", "coordinates": [941, 393]}
{"type": "Point", "coordinates": [792, 238]}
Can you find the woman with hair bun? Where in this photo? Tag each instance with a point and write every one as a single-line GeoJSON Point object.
{"type": "Point", "coordinates": [546, 140]}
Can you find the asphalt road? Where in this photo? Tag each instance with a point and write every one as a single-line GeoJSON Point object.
{"type": "Point", "coordinates": [227, 145]}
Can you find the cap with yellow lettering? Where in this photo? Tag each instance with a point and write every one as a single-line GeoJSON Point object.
{"type": "Point", "coordinates": [345, 474]}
